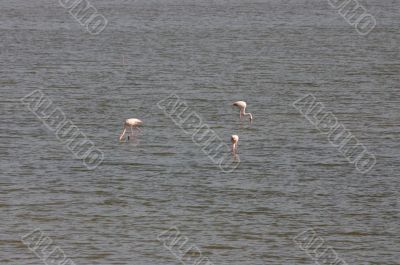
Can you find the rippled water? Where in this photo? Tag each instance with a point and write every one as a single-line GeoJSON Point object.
{"type": "Point", "coordinates": [210, 53]}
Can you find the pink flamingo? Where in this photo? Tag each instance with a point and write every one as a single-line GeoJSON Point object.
{"type": "Point", "coordinates": [242, 105]}
{"type": "Point", "coordinates": [234, 141]}
{"type": "Point", "coordinates": [130, 123]}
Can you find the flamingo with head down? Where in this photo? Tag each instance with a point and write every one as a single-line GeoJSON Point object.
{"type": "Point", "coordinates": [132, 124]}
{"type": "Point", "coordinates": [234, 141]}
{"type": "Point", "coordinates": [242, 106]}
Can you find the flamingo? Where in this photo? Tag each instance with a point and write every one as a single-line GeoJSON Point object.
{"type": "Point", "coordinates": [234, 141]}
{"type": "Point", "coordinates": [242, 105]}
{"type": "Point", "coordinates": [132, 123]}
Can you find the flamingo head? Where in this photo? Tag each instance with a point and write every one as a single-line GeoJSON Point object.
{"type": "Point", "coordinates": [251, 118]}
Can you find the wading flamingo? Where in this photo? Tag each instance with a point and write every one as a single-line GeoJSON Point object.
{"type": "Point", "coordinates": [234, 141]}
{"type": "Point", "coordinates": [242, 106]}
{"type": "Point", "coordinates": [130, 123]}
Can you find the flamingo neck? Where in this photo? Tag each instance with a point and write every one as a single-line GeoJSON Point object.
{"type": "Point", "coordinates": [248, 114]}
{"type": "Point", "coordinates": [233, 148]}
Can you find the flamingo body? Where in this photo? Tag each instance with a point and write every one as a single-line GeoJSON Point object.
{"type": "Point", "coordinates": [133, 122]}
{"type": "Point", "coordinates": [240, 104]}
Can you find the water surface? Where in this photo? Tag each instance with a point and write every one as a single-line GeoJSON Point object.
{"type": "Point", "coordinates": [210, 53]}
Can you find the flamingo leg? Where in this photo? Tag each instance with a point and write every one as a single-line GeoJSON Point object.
{"type": "Point", "coordinates": [132, 133]}
{"type": "Point", "coordinates": [137, 130]}
{"type": "Point", "coordinates": [122, 134]}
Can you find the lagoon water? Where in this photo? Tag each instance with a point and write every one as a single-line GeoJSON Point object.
{"type": "Point", "coordinates": [210, 53]}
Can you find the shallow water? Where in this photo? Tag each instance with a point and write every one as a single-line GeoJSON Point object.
{"type": "Point", "coordinates": [210, 53]}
